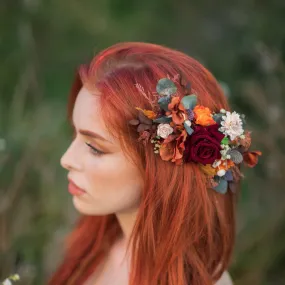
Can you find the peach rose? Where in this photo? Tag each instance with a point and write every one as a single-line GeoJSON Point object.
{"type": "Point", "coordinates": [203, 116]}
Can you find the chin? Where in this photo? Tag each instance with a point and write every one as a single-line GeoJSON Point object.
{"type": "Point", "coordinates": [88, 209]}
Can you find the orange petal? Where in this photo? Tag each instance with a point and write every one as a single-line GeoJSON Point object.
{"type": "Point", "coordinates": [251, 158]}
{"type": "Point", "coordinates": [208, 169]}
{"type": "Point", "coordinates": [177, 118]}
{"type": "Point", "coordinates": [166, 151]}
{"type": "Point", "coordinates": [173, 103]}
{"type": "Point", "coordinates": [148, 113]}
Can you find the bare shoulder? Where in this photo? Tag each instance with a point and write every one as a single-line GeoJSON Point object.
{"type": "Point", "coordinates": [225, 279]}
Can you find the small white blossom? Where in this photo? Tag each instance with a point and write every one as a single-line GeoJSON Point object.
{"type": "Point", "coordinates": [16, 277]}
{"type": "Point", "coordinates": [216, 163]}
{"type": "Point", "coordinates": [221, 172]}
{"type": "Point", "coordinates": [231, 125]}
{"type": "Point", "coordinates": [164, 130]}
{"type": "Point", "coordinates": [7, 282]}
{"type": "Point", "coordinates": [224, 151]}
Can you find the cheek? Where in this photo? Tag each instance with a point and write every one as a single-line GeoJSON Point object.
{"type": "Point", "coordinates": [113, 182]}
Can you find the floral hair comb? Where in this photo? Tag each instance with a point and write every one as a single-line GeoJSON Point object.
{"type": "Point", "coordinates": [184, 132]}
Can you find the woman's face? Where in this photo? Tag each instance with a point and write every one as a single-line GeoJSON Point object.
{"type": "Point", "coordinates": [109, 182]}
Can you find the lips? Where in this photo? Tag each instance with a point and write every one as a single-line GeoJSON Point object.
{"type": "Point", "coordinates": [73, 189]}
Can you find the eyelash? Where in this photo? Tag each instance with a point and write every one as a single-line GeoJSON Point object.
{"type": "Point", "coordinates": [94, 150]}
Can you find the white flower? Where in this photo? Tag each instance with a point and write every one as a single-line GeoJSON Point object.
{"type": "Point", "coordinates": [7, 282]}
{"type": "Point", "coordinates": [231, 125]}
{"type": "Point", "coordinates": [224, 151]}
{"type": "Point", "coordinates": [221, 172]}
{"type": "Point", "coordinates": [216, 163]}
{"type": "Point", "coordinates": [164, 130]}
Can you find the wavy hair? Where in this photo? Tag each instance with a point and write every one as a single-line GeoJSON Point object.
{"type": "Point", "coordinates": [184, 232]}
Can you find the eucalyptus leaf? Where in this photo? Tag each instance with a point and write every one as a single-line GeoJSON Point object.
{"type": "Point", "coordinates": [222, 186]}
{"type": "Point", "coordinates": [166, 87]}
{"type": "Point", "coordinates": [218, 117]}
{"type": "Point", "coordinates": [134, 122]}
{"type": "Point", "coordinates": [143, 127]}
{"type": "Point", "coordinates": [189, 101]}
{"type": "Point", "coordinates": [163, 103]}
{"type": "Point", "coordinates": [236, 156]}
{"type": "Point", "coordinates": [162, 120]}
{"type": "Point", "coordinates": [188, 129]}
{"type": "Point", "coordinates": [144, 119]}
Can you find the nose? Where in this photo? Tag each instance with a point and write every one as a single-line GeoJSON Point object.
{"type": "Point", "coordinates": [70, 160]}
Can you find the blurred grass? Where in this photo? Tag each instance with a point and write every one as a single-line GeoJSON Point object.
{"type": "Point", "coordinates": [42, 42]}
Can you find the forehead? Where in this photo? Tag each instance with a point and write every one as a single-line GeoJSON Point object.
{"type": "Point", "coordinates": [87, 114]}
{"type": "Point", "coordinates": [86, 107]}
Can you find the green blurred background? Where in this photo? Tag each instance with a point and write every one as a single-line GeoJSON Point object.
{"type": "Point", "coordinates": [41, 44]}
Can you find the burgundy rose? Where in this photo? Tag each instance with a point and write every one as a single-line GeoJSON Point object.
{"type": "Point", "coordinates": [204, 145]}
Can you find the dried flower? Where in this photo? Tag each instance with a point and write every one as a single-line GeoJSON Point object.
{"type": "Point", "coordinates": [177, 110]}
{"type": "Point", "coordinates": [148, 113]}
{"type": "Point", "coordinates": [231, 125]}
{"type": "Point", "coordinates": [173, 147]}
{"type": "Point", "coordinates": [251, 158]}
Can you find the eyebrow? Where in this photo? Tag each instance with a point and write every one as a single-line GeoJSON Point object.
{"type": "Point", "coordinates": [92, 135]}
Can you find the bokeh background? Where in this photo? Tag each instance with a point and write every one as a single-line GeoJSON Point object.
{"type": "Point", "coordinates": [43, 41]}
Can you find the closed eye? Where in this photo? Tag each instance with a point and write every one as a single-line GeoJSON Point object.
{"type": "Point", "coordinates": [93, 149]}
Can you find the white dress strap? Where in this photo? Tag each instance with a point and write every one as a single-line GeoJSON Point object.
{"type": "Point", "coordinates": [225, 279]}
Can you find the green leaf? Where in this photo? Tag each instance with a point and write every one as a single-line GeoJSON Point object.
{"type": "Point", "coordinates": [166, 87]}
{"type": "Point", "coordinates": [162, 120]}
{"type": "Point", "coordinates": [222, 186]}
{"type": "Point", "coordinates": [188, 129]}
{"type": "Point", "coordinates": [218, 117]}
{"type": "Point", "coordinates": [225, 140]}
{"type": "Point", "coordinates": [163, 103]}
{"type": "Point", "coordinates": [189, 101]}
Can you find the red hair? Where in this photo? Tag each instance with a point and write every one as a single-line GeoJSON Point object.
{"type": "Point", "coordinates": [184, 232]}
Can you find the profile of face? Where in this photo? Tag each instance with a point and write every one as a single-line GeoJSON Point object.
{"type": "Point", "coordinates": [103, 180]}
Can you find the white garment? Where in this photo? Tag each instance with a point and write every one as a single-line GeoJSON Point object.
{"type": "Point", "coordinates": [225, 279]}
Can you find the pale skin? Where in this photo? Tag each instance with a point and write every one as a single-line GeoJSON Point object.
{"type": "Point", "coordinates": [111, 183]}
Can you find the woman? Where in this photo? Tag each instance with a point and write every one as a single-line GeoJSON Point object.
{"type": "Point", "coordinates": [152, 175]}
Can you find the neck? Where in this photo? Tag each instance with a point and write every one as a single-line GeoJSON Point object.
{"type": "Point", "coordinates": [127, 221]}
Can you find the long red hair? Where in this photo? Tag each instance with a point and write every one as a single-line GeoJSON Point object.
{"type": "Point", "coordinates": [184, 232]}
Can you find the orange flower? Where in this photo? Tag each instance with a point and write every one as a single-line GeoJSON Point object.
{"type": "Point", "coordinates": [173, 147]}
{"type": "Point", "coordinates": [203, 116]}
{"type": "Point", "coordinates": [177, 110]}
{"type": "Point", "coordinates": [250, 158]}
{"type": "Point", "coordinates": [226, 164]}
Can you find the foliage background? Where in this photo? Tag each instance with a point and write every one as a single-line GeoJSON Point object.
{"type": "Point", "coordinates": [41, 44]}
